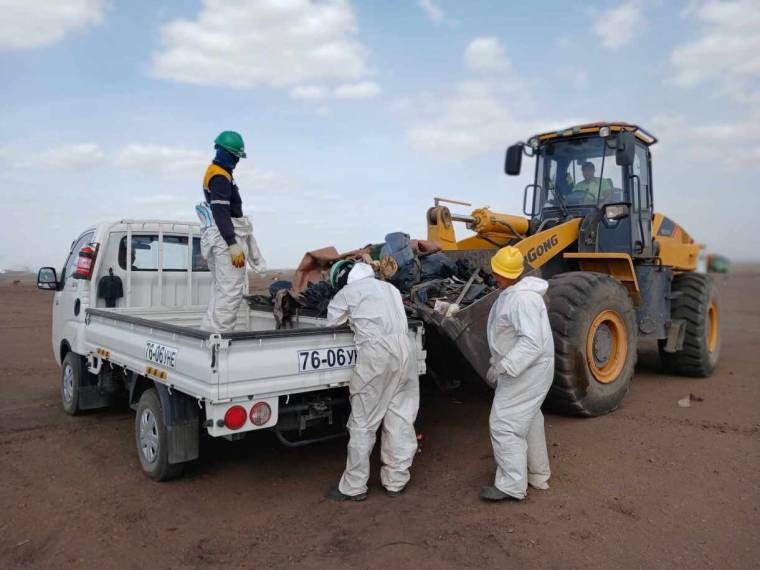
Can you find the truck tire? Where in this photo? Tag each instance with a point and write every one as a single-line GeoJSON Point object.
{"type": "Point", "coordinates": [697, 304]}
{"type": "Point", "coordinates": [594, 325]}
{"type": "Point", "coordinates": [72, 373]}
{"type": "Point", "coordinates": [150, 439]}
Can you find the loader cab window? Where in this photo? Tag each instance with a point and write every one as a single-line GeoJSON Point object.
{"type": "Point", "coordinates": [580, 173]}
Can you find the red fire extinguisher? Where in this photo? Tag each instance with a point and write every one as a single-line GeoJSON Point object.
{"type": "Point", "coordinates": [86, 262]}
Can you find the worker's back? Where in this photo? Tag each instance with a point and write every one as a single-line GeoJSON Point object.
{"type": "Point", "coordinates": [374, 307]}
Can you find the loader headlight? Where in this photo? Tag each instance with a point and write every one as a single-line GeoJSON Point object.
{"type": "Point", "coordinates": [616, 212]}
{"type": "Point", "coordinates": [604, 132]}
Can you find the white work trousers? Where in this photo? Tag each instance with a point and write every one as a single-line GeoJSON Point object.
{"type": "Point", "coordinates": [384, 390]}
{"type": "Point", "coordinates": [228, 283]}
{"type": "Point", "coordinates": [517, 430]}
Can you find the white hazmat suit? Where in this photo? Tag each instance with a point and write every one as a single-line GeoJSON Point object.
{"type": "Point", "coordinates": [228, 283]}
{"type": "Point", "coordinates": [522, 359]}
{"type": "Point", "coordinates": [384, 387]}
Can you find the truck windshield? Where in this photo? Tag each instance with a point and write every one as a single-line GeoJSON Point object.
{"type": "Point", "coordinates": [580, 172]}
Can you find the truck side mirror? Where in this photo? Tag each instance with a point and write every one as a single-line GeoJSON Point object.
{"type": "Point", "coordinates": [514, 159]}
{"type": "Point", "coordinates": [47, 279]}
{"type": "Point", "coordinates": [626, 147]}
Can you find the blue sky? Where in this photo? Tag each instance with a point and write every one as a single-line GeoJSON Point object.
{"type": "Point", "coordinates": [356, 115]}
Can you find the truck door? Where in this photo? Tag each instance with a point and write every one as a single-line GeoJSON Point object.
{"type": "Point", "coordinates": [67, 301]}
{"type": "Point", "coordinates": [641, 186]}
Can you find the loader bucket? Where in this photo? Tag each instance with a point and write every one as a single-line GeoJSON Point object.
{"type": "Point", "coordinates": [458, 345]}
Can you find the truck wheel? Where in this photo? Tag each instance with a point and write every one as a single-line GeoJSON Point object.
{"type": "Point", "coordinates": [150, 439]}
{"type": "Point", "coordinates": [72, 371]}
{"type": "Point", "coordinates": [697, 304]}
{"type": "Point", "coordinates": [594, 326]}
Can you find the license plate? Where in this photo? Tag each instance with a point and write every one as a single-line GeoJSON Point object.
{"type": "Point", "coordinates": [160, 354]}
{"type": "Point", "coordinates": [326, 358]}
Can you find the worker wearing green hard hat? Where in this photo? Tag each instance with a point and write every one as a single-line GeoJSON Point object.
{"type": "Point", "coordinates": [227, 240]}
{"type": "Point", "coordinates": [231, 142]}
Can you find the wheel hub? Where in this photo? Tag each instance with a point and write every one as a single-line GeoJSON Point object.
{"type": "Point", "coordinates": [148, 436]}
{"type": "Point", "coordinates": [602, 344]}
{"type": "Point", "coordinates": [607, 346]}
{"type": "Point", "coordinates": [68, 383]}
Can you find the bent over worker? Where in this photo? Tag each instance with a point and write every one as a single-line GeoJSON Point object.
{"type": "Point", "coordinates": [384, 387]}
{"type": "Point", "coordinates": [227, 239]}
{"type": "Point", "coordinates": [521, 372]}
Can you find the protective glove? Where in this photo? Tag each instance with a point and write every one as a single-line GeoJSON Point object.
{"type": "Point", "coordinates": [237, 255]}
{"type": "Point", "coordinates": [259, 266]}
{"type": "Point", "coordinates": [492, 377]}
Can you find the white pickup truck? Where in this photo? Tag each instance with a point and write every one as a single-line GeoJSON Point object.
{"type": "Point", "coordinates": [148, 348]}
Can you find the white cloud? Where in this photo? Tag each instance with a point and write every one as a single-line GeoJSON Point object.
{"type": "Point", "coordinates": [487, 55]}
{"type": "Point", "coordinates": [434, 13]}
{"type": "Point", "coordinates": [361, 90]}
{"type": "Point", "coordinates": [308, 92]}
{"type": "Point", "coordinates": [719, 144]}
{"type": "Point", "coordinates": [243, 44]}
{"type": "Point", "coordinates": [68, 156]}
{"type": "Point", "coordinates": [727, 49]}
{"type": "Point", "coordinates": [480, 114]}
{"type": "Point", "coordinates": [618, 26]}
{"type": "Point", "coordinates": [162, 160]}
{"type": "Point", "coordinates": [29, 24]}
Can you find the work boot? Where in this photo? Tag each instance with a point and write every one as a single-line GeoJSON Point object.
{"type": "Point", "coordinates": [493, 494]}
{"type": "Point", "coordinates": [538, 483]}
{"type": "Point", "coordinates": [334, 494]}
{"type": "Point", "coordinates": [395, 494]}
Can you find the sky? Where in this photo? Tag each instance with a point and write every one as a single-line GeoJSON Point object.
{"type": "Point", "coordinates": [357, 114]}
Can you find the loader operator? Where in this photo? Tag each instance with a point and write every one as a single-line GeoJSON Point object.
{"type": "Point", "coordinates": [592, 188]}
{"type": "Point", "coordinates": [521, 372]}
{"type": "Point", "coordinates": [384, 388]}
{"type": "Point", "coordinates": [227, 240]}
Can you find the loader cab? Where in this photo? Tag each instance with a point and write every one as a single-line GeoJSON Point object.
{"type": "Point", "coordinates": [601, 176]}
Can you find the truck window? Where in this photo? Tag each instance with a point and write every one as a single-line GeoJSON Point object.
{"type": "Point", "coordinates": [145, 253]}
{"type": "Point", "coordinates": [71, 260]}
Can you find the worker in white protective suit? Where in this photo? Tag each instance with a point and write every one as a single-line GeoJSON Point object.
{"type": "Point", "coordinates": [384, 387]}
{"type": "Point", "coordinates": [227, 240]}
{"type": "Point", "coordinates": [521, 372]}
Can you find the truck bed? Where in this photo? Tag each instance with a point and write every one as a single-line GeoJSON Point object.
{"type": "Point", "coordinates": [254, 361]}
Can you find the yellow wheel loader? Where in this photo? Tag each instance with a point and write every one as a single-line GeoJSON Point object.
{"type": "Point", "coordinates": [618, 272]}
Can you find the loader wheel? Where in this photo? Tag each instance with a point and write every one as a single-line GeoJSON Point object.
{"type": "Point", "coordinates": [697, 304]}
{"type": "Point", "coordinates": [594, 326]}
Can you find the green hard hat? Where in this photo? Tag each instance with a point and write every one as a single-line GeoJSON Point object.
{"type": "Point", "coordinates": [232, 142]}
{"type": "Point", "coordinates": [338, 270]}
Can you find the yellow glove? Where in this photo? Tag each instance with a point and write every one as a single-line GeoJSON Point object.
{"type": "Point", "coordinates": [236, 255]}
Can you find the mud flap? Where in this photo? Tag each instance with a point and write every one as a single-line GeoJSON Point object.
{"type": "Point", "coordinates": [182, 422]}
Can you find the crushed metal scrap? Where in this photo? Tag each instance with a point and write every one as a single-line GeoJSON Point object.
{"type": "Point", "coordinates": [451, 294]}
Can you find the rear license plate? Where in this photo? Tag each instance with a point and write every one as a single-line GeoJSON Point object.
{"type": "Point", "coordinates": [326, 358]}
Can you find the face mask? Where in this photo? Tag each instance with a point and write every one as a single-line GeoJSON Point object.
{"type": "Point", "coordinates": [225, 159]}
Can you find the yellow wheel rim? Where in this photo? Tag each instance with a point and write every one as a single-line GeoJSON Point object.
{"type": "Point", "coordinates": [607, 346]}
{"type": "Point", "coordinates": [712, 326]}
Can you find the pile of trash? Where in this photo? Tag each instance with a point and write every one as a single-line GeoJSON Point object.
{"type": "Point", "coordinates": [427, 278]}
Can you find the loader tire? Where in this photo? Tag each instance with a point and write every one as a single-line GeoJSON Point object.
{"type": "Point", "coordinates": [697, 305]}
{"type": "Point", "coordinates": [594, 325]}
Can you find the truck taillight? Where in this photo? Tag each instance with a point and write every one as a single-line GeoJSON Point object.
{"type": "Point", "coordinates": [85, 262]}
{"type": "Point", "coordinates": [235, 417]}
{"type": "Point", "coordinates": [260, 413]}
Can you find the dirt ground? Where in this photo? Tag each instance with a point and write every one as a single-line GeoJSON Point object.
{"type": "Point", "coordinates": [652, 485]}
